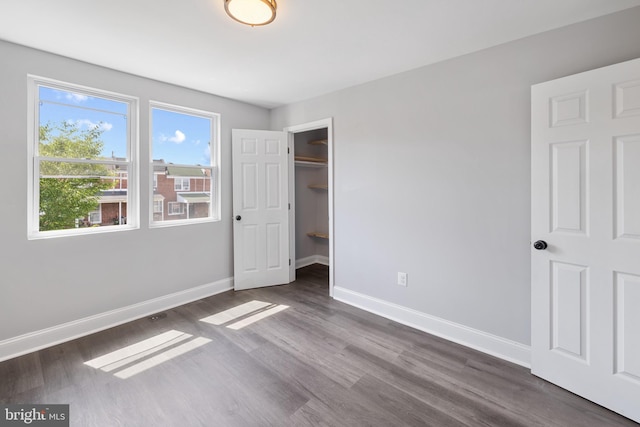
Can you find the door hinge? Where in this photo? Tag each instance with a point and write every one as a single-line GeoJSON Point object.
{"type": "Point", "coordinates": [289, 206]}
{"type": "Point", "coordinates": [289, 261]}
{"type": "Point", "coordinates": [288, 151]}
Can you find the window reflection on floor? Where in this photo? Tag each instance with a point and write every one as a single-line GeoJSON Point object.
{"type": "Point", "coordinates": [244, 314]}
{"type": "Point", "coordinates": [139, 357]}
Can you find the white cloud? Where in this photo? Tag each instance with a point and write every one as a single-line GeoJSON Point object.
{"type": "Point", "coordinates": [178, 137]}
{"type": "Point", "coordinates": [76, 97]}
{"type": "Point", "coordinates": [104, 126]}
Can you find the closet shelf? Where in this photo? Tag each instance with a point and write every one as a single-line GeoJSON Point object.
{"type": "Point", "coordinates": [318, 235]}
{"type": "Point", "coordinates": [319, 186]}
{"type": "Point", "coordinates": [318, 142]}
{"type": "Point", "coordinates": [310, 161]}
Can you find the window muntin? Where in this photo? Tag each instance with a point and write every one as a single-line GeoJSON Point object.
{"type": "Point", "coordinates": [81, 145]}
{"type": "Point", "coordinates": [184, 149]}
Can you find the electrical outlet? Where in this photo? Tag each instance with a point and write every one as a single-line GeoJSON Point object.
{"type": "Point", "coordinates": [402, 279]}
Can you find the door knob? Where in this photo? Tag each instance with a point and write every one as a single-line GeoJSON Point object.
{"type": "Point", "coordinates": [540, 245]}
{"type": "Point", "coordinates": [238, 217]}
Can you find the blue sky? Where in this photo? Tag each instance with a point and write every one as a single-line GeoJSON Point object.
{"type": "Point", "coordinates": [180, 138]}
{"type": "Point", "coordinates": [176, 137]}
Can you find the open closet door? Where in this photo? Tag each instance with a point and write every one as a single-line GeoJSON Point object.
{"type": "Point", "coordinates": [260, 208]}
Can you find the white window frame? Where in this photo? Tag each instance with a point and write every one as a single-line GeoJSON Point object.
{"type": "Point", "coordinates": [33, 166]}
{"type": "Point", "coordinates": [214, 168]}
{"type": "Point", "coordinates": [171, 205]}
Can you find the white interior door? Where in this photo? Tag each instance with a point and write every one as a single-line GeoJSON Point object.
{"type": "Point", "coordinates": [260, 208]}
{"type": "Point", "coordinates": [586, 207]}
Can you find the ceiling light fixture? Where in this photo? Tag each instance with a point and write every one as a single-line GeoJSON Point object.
{"type": "Point", "coordinates": [251, 12]}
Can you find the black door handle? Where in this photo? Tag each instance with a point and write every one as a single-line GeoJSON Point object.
{"type": "Point", "coordinates": [238, 217]}
{"type": "Point", "coordinates": [540, 245]}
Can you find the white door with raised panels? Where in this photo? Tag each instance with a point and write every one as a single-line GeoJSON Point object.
{"type": "Point", "coordinates": [585, 260]}
{"type": "Point", "coordinates": [260, 208]}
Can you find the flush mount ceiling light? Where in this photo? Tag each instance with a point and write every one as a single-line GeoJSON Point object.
{"type": "Point", "coordinates": [251, 12]}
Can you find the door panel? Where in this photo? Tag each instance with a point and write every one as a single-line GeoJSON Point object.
{"type": "Point", "coordinates": [627, 187]}
{"type": "Point", "coordinates": [627, 318]}
{"type": "Point", "coordinates": [260, 208]}
{"type": "Point", "coordinates": [569, 309]}
{"type": "Point", "coordinates": [585, 186]}
{"type": "Point", "coordinates": [569, 186]}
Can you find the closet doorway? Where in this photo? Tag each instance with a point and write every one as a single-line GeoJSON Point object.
{"type": "Point", "coordinates": [311, 236]}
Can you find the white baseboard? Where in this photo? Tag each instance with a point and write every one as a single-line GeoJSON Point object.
{"type": "Point", "coordinates": [503, 348]}
{"type": "Point", "coordinates": [48, 337]}
{"type": "Point", "coordinates": [313, 259]}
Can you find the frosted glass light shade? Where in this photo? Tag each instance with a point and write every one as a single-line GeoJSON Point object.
{"type": "Point", "coordinates": [251, 12]}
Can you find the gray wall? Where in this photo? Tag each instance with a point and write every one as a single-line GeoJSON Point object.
{"type": "Point", "coordinates": [432, 174]}
{"type": "Point", "coordinates": [48, 282]}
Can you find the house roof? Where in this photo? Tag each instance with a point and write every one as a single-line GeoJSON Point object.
{"type": "Point", "coordinates": [185, 171]}
{"type": "Point", "coordinates": [159, 166]}
{"type": "Point", "coordinates": [194, 197]}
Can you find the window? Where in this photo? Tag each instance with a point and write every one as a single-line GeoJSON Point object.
{"type": "Point", "coordinates": [184, 147]}
{"type": "Point", "coordinates": [95, 217]}
{"type": "Point", "coordinates": [158, 206]}
{"type": "Point", "coordinates": [176, 208]}
{"type": "Point", "coordinates": [181, 184]}
{"type": "Point", "coordinates": [81, 145]}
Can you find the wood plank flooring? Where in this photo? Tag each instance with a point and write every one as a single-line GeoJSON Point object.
{"type": "Point", "coordinates": [299, 359]}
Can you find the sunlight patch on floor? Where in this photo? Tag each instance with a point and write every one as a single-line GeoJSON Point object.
{"type": "Point", "coordinates": [244, 314]}
{"type": "Point", "coordinates": [162, 357]}
{"type": "Point", "coordinates": [258, 316]}
{"type": "Point", "coordinates": [146, 354]}
{"type": "Point", "coordinates": [235, 312]}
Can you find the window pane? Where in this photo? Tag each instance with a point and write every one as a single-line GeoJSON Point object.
{"type": "Point", "coordinates": [73, 125]}
{"type": "Point", "coordinates": [181, 138]}
{"type": "Point", "coordinates": [183, 168]}
{"type": "Point", "coordinates": [71, 192]}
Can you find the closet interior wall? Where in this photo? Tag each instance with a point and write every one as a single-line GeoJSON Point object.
{"type": "Point", "coordinates": [311, 197]}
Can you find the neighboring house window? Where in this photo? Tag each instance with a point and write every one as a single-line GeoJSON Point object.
{"type": "Point", "coordinates": [176, 208]}
{"type": "Point", "coordinates": [184, 148]}
{"type": "Point", "coordinates": [95, 217]}
{"type": "Point", "coordinates": [157, 206]}
{"type": "Point", "coordinates": [181, 184]}
{"type": "Point", "coordinates": [81, 142]}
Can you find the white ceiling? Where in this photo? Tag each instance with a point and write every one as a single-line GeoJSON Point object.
{"type": "Point", "coordinates": [313, 47]}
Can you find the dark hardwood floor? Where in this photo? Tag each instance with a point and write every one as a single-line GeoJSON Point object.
{"type": "Point", "coordinates": [287, 355]}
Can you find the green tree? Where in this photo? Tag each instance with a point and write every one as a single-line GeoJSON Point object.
{"type": "Point", "coordinates": [68, 190]}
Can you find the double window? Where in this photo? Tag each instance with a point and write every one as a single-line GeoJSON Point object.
{"type": "Point", "coordinates": [181, 184]}
{"type": "Point", "coordinates": [83, 172]}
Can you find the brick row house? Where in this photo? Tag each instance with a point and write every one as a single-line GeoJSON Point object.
{"type": "Point", "coordinates": [179, 192]}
